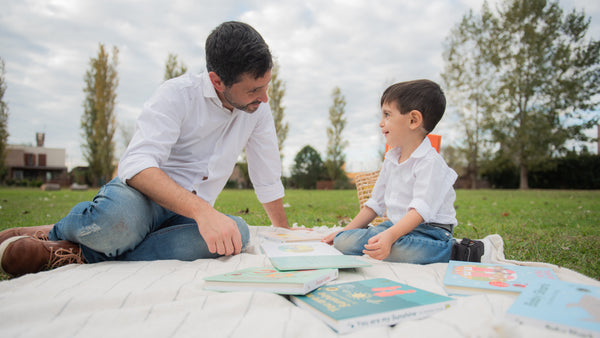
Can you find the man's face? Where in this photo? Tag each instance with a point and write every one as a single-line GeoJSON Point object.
{"type": "Point", "coordinates": [248, 93]}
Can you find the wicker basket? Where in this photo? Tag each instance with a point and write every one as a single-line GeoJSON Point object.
{"type": "Point", "coordinates": [365, 182]}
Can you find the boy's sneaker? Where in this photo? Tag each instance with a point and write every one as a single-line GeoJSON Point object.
{"type": "Point", "coordinates": [468, 250]}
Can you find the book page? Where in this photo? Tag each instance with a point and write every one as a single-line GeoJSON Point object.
{"type": "Point", "coordinates": [310, 248]}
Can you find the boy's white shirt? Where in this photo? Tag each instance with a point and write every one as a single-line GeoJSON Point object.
{"type": "Point", "coordinates": [423, 182]}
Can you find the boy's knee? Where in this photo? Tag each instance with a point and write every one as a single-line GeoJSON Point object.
{"type": "Point", "coordinates": [346, 244]}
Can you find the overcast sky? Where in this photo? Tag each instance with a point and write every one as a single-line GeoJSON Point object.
{"type": "Point", "coordinates": [360, 46]}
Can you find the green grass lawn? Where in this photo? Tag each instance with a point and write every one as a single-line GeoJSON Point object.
{"type": "Point", "coordinates": [554, 226]}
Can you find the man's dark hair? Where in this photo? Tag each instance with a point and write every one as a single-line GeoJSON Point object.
{"type": "Point", "coordinates": [235, 48]}
{"type": "Point", "coordinates": [422, 95]}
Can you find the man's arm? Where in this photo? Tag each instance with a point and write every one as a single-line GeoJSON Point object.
{"type": "Point", "coordinates": [276, 213]}
{"type": "Point", "coordinates": [220, 232]}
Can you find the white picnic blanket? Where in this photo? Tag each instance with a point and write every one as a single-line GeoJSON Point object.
{"type": "Point", "coordinates": [166, 299]}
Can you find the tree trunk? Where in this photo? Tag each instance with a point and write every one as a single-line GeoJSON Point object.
{"type": "Point", "coordinates": [524, 184]}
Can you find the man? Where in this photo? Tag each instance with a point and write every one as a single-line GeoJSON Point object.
{"type": "Point", "coordinates": [186, 144]}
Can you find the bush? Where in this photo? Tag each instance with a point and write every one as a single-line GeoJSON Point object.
{"type": "Point", "coordinates": [570, 172]}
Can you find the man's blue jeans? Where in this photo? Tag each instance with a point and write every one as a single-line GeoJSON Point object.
{"type": "Point", "coordinates": [425, 244]}
{"type": "Point", "coordinates": [121, 223]}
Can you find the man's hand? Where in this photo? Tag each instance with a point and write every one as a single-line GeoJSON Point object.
{"type": "Point", "coordinates": [220, 233]}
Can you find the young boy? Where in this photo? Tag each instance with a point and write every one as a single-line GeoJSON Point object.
{"type": "Point", "coordinates": [414, 188]}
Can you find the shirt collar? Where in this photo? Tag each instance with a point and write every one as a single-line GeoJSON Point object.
{"type": "Point", "coordinates": [210, 93]}
{"type": "Point", "coordinates": [394, 153]}
{"type": "Point", "coordinates": [208, 89]}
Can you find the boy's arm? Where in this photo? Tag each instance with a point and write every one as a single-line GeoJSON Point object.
{"type": "Point", "coordinates": [379, 246]}
{"type": "Point", "coordinates": [364, 216]}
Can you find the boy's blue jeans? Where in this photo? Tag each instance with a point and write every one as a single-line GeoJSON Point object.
{"type": "Point", "coordinates": [121, 223]}
{"type": "Point", "coordinates": [425, 244]}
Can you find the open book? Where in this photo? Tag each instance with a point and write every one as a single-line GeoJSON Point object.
{"type": "Point", "coordinates": [289, 236]}
{"type": "Point", "coordinates": [308, 255]}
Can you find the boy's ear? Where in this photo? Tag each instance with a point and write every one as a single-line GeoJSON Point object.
{"type": "Point", "coordinates": [416, 119]}
{"type": "Point", "coordinates": [216, 81]}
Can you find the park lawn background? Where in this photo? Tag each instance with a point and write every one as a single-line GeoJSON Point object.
{"type": "Point", "coordinates": [554, 226]}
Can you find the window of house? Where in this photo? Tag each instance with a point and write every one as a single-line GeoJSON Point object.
{"type": "Point", "coordinates": [42, 160]}
{"type": "Point", "coordinates": [29, 159]}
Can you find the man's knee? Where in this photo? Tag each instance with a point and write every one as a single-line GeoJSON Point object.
{"type": "Point", "coordinates": [243, 228]}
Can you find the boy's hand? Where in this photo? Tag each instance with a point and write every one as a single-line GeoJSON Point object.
{"type": "Point", "coordinates": [329, 238]}
{"type": "Point", "coordinates": [379, 246]}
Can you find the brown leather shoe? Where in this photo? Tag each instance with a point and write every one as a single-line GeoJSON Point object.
{"type": "Point", "coordinates": [39, 232]}
{"type": "Point", "coordinates": [23, 254]}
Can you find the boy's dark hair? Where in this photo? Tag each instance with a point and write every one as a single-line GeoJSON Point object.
{"type": "Point", "coordinates": [422, 95]}
{"type": "Point", "coordinates": [235, 48]}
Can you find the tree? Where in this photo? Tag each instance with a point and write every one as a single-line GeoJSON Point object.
{"type": "Point", "coordinates": [276, 92]}
{"type": "Point", "coordinates": [174, 67]}
{"type": "Point", "coordinates": [98, 120]}
{"type": "Point", "coordinates": [3, 122]}
{"type": "Point", "coordinates": [529, 75]}
{"type": "Point", "coordinates": [308, 168]}
{"type": "Point", "coordinates": [335, 143]}
{"type": "Point", "coordinates": [469, 86]}
{"type": "Point", "coordinates": [547, 74]}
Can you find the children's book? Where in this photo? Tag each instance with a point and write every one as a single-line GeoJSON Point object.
{"type": "Point", "coordinates": [290, 236]}
{"type": "Point", "coordinates": [560, 307]}
{"type": "Point", "coordinates": [308, 255]}
{"type": "Point", "coordinates": [468, 278]}
{"type": "Point", "coordinates": [351, 306]}
{"type": "Point", "coordinates": [271, 280]}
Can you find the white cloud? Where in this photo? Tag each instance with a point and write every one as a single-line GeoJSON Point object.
{"type": "Point", "coordinates": [361, 46]}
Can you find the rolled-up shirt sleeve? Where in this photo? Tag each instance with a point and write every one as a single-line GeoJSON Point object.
{"type": "Point", "coordinates": [434, 180]}
{"type": "Point", "coordinates": [264, 163]}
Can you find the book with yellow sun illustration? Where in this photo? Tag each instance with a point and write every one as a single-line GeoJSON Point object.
{"type": "Point", "coordinates": [308, 255]}
{"type": "Point", "coordinates": [289, 236]}
{"type": "Point", "coordinates": [351, 306]}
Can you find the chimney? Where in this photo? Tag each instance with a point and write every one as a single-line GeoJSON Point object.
{"type": "Point", "coordinates": [39, 137]}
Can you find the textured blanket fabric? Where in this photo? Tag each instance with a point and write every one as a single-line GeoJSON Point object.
{"type": "Point", "coordinates": [166, 299]}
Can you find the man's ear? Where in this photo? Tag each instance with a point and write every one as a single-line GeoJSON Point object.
{"type": "Point", "coordinates": [216, 81]}
{"type": "Point", "coordinates": [416, 119]}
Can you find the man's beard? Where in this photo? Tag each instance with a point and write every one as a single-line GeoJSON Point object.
{"type": "Point", "coordinates": [248, 108]}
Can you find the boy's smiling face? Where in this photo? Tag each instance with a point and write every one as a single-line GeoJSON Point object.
{"type": "Point", "coordinates": [396, 127]}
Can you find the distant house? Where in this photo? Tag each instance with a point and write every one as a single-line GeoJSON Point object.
{"type": "Point", "coordinates": [36, 163]}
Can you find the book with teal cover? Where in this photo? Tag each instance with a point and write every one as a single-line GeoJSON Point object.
{"type": "Point", "coordinates": [308, 255]}
{"type": "Point", "coordinates": [560, 307]}
{"type": "Point", "coordinates": [467, 278]}
{"type": "Point", "coordinates": [270, 280]}
{"type": "Point", "coordinates": [351, 306]}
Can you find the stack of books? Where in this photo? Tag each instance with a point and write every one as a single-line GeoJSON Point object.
{"type": "Point", "coordinates": [303, 268]}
